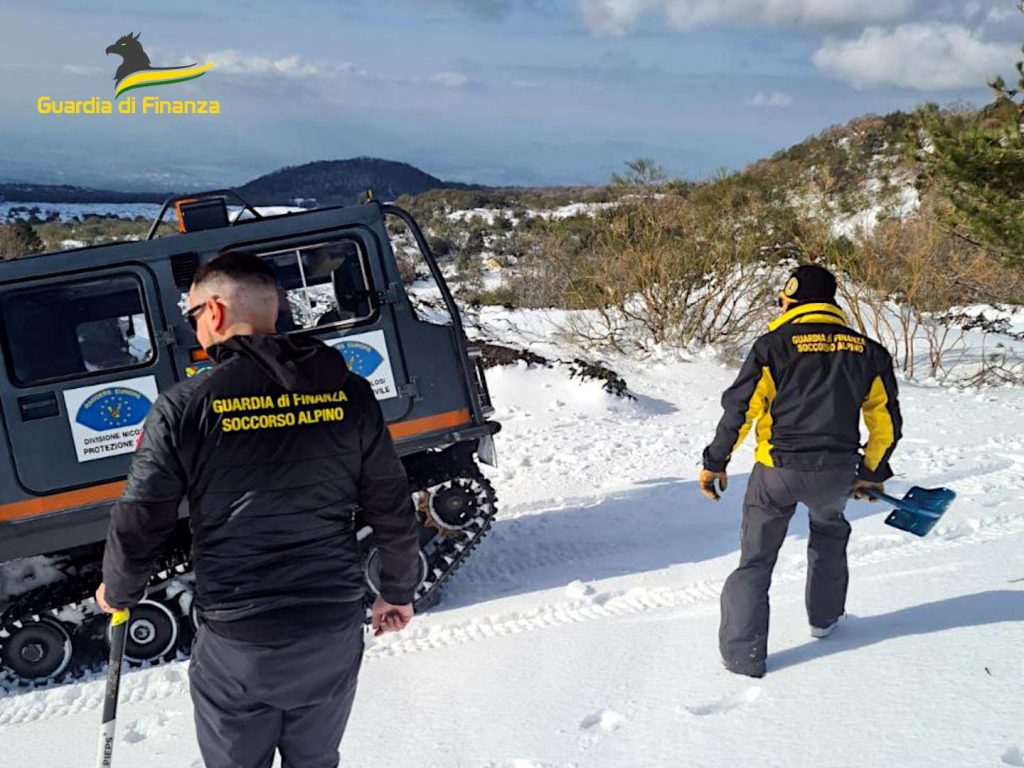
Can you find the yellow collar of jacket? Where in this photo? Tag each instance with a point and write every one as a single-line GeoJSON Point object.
{"type": "Point", "coordinates": [827, 314]}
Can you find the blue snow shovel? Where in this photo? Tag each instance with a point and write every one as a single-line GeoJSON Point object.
{"type": "Point", "coordinates": [919, 510]}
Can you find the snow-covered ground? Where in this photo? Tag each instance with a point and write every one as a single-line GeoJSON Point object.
{"type": "Point", "coordinates": [583, 631]}
{"type": "Point", "coordinates": [490, 215]}
{"type": "Point", "coordinates": [69, 211]}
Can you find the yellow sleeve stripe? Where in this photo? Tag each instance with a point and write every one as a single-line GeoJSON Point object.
{"type": "Point", "coordinates": [760, 403]}
{"type": "Point", "coordinates": [763, 453]}
{"type": "Point", "coordinates": [881, 432]}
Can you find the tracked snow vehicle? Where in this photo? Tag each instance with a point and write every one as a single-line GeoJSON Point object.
{"type": "Point", "coordinates": [88, 338]}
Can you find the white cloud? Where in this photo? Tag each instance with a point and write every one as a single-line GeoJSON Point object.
{"type": "Point", "coordinates": [999, 15]}
{"type": "Point", "coordinates": [450, 79]}
{"type": "Point", "coordinates": [972, 9]}
{"type": "Point", "coordinates": [928, 56]}
{"type": "Point", "coordinates": [771, 100]}
{"type": "Point", "coordinates": [234, 62]}
{"type": "Point", "coordinates": [78, 69]}
{"type": "Point", "coordinates": [617, 17]}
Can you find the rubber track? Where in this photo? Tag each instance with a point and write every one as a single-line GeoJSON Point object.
{"type": "Point", "coordinates": [74, 594]}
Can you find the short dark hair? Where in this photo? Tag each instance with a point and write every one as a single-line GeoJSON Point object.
{"type": "Point", "coordinates": [238, 267]}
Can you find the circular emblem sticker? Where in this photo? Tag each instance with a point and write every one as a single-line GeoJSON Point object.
{"type": "Point", "coordinates": [792, 286]}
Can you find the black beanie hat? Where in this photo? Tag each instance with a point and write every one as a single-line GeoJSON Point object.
{"type": "Point", "coordinates": [810, 283]}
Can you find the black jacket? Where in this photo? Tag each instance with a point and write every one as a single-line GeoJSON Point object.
{"type": "Point", "coordinates": [805, 384]}
{"type": "Point", "coordinates": [274, 449]}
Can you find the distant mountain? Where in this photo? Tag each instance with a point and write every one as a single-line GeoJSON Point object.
{"type": "Point", "coordinates": [326, 182]}
{"type": "Point", "coordinates": [46, 193]}
{"type": "Point", "coordinates": [342, 182]}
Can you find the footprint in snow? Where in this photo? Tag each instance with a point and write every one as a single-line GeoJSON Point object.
{"type": "Point", "coordinates": [607, 720]}
{"type": "Point", "coordinates": [577, 590]}
{"type": "Point", "coordinates": [139, 730]}
{"type": "Point", "coordinates": [728, 704]}
{"type": "Point", "coordinates": [1013, 756]}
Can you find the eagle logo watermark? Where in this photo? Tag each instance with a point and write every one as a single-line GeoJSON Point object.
{"type": "Point", "coordinates": [137, 72]}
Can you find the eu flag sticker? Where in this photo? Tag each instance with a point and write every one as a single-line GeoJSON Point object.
{"type": "Point", "coordinates": [106, 419]}
{"type": "Point", "coordinates": [366, 355]}
{"type": "Point", "coordinates": [113, 408]}
{"type": "Point", "coordinates": [360, 357]}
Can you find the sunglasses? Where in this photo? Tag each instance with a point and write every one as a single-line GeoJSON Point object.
{"type": "Point", "coordinates": [193, 313]}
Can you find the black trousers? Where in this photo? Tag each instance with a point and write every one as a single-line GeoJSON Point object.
{"type": "Point", "coordinates": [772, 496]}
{"type": "Point", "coordinates": [294, 696]}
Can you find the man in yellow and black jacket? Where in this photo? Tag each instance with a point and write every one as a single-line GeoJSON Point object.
{"type": "Point", "coordinates": [803, 389]}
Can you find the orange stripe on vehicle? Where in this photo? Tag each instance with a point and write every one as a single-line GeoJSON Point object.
{"type": "Point", "coordinates": [58, 501]}
{"type": "Point", "coordinates": [429, 424]}
{"type": "Point", "coordinates": [112, 491]}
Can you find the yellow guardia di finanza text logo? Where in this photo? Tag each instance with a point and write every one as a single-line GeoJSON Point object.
{"type": "Point", "coordinates": [136, 72]}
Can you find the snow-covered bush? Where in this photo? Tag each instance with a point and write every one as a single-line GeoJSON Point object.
{"type": "Point", "coordinates": [900, 284]}
{"type": "Point", "coordinates": [673, 271]}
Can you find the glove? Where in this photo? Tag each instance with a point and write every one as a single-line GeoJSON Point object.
{"type": "Point", "coordinates": [707, 483]}
{"type": "Point", "coordinates": [861, 488]}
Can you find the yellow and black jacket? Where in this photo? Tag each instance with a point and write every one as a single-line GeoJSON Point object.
{"type": "Point", "coordinates": [804, 385]}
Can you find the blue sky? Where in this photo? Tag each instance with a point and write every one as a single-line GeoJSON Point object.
{"type": "Point", "coordinates": [490, 91]}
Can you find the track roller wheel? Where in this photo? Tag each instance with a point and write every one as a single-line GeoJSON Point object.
{"type": "Point", "coordinates": [152, 632]}
{"type": "Point", "coordinates": [454, 506]}
{"type": "Point", "coordinates": [37, 650]}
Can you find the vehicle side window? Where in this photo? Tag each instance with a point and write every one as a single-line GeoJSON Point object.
{"type": "Point", "coordinates": [324, 284]}
{"type": "Point", "coordinates": [424, 294]}
{"type": "Point", "coordinates": [73, 329]}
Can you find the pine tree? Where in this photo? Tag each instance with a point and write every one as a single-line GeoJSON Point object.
{"type": "Point", "coordinates": [641, 175]}
{"type": "Point", "coordinates": [976, 161]}
{"type": "Point", "coordinates": [19, 239]}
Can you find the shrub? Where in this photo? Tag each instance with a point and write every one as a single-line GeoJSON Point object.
{"type": "Point", "coordinates": [19, 239]}
{"type": "Point", "coordinates": [902, 280]}
{"type": "Point", "coordinates": [674, 271]}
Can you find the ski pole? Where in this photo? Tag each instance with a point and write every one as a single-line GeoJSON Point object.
{"type": "Point", "coordinates": [118, 634]}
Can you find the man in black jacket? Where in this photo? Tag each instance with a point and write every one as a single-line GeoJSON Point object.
{"type": "Point", "coordinates": [805, 385]}
{"type": "Point", "coordinates": [274, 449]}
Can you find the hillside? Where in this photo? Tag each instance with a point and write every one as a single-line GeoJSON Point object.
{"type": "Point", "coordinates": [341, 182]}
{"type": "Point", "coordinates": [872, 168]}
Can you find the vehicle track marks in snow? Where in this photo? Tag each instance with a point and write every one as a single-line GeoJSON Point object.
{"type": "Point", "coordinates": [169, 681]}
{"type": "Point", "coordinates": [521, 763]}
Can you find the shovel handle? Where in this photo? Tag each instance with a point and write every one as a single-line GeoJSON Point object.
{"type": "Point", "coordinates": [884, 497]}
{"type": "Point", "coordinates": [118, 637]}
{"type": "Point", "coordinates": [902, 504]}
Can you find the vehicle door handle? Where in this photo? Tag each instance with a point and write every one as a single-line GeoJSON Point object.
{"type": "Point", "coordinates": [38, 406]}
